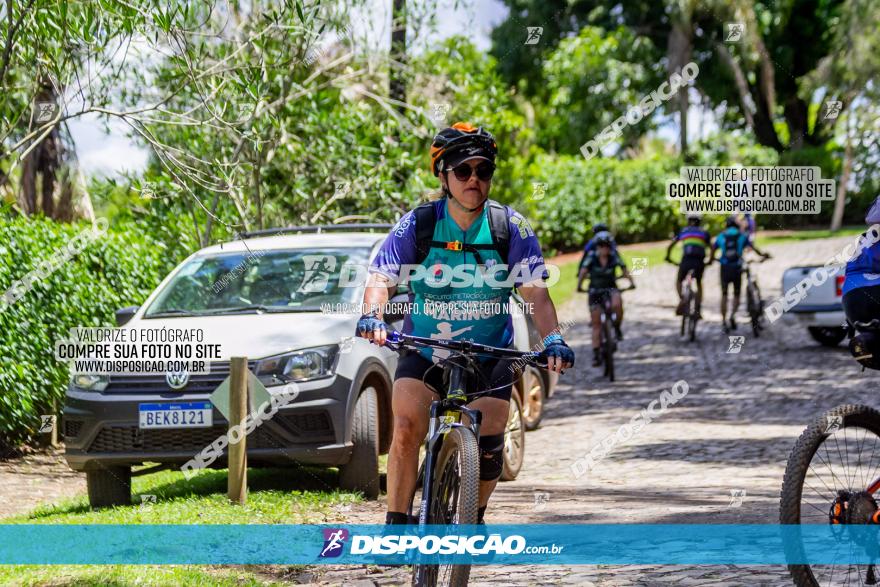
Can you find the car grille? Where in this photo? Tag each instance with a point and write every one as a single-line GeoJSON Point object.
{"type": "Point", "coordinates": [308, 427]}
{"type": "Point", "coordinates": [72, 428]}
{"type": "Point", "coordinates": [153, 383]}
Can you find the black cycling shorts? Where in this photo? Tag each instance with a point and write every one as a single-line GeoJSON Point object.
{"type": "Point", "coordinates": [691, 263]}
{"type": "Point", "coordinates": [496, 373]}
{"type": "Point", "coordinates": [731, 274]}
{"type": "Point", "coordinates": [596, 297]}
{"type": "Point", "coordinates": [862, 304]}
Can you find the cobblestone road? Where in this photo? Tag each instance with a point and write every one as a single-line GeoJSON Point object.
{"type": "Point", "coordinates": [732, 432]}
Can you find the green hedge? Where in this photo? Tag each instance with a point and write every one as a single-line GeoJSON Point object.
{"type": "Point", "coordinates": [628, 195]}
{"type": "Point", "coordinates": [117, 268]}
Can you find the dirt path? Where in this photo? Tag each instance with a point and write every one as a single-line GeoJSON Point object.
{"type": "Point", "coordinates": [42, 477]}
{"type": "Point", "coordinates": [732, 432]}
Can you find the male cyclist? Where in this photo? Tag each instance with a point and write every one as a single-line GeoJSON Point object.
{"type": "Point", "coordinates": [861, 294]}
{"type": "Point", "coordinates": [600, 267]}
{"type": "Point", "coordinates": [463, 228]}
{"type": "Point", "coordinates": [694, 241]}
{"type": "Point", "coordinates": [732, 243]}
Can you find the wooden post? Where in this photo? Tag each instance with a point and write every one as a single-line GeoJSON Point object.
{"type": "Point", "coordinates": [238, 409]}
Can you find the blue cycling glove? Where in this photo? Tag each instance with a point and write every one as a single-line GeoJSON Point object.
{"type": "Point", "coordinates": [554, 346]}
{"type": "Point", "coordinates": [368, 323]}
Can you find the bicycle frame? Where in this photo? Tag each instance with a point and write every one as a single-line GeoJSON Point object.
{"type": "Point", "coordinates": [441, 421]}
{"type": "Point", "coordinates": [440, 424]}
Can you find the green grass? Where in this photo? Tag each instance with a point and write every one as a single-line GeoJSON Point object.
{"type": "Point", "coordinates": [810, 234]}
{"type": "Point", "coordinates": [302, 495]}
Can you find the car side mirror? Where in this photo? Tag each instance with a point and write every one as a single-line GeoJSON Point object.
{"type": "Point", "coordinates": [125, 314]}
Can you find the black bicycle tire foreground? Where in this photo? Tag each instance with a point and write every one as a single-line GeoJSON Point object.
{"type": "Point", "coordinates": [813, 478]}
{"type": "Point", "coordinates": [450, 470]}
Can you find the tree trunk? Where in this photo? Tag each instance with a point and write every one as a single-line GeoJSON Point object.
{"type": "Point", "coordinates": [679, 54]}
{"type": "Point", "coordinates": [840, 202]}
{"type": "Point", "coordinates": [396, 69]}
{"type": "Point", "coordinates": [41, 168]}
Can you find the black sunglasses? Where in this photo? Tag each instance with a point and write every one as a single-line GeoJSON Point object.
{"type": "Point", "coordinates": [464, 172]}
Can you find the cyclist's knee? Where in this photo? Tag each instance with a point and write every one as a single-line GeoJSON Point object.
{"type": "Point", "coordinates": [409, 431]}
{"type": "Point", "coordinates": [491, 456]}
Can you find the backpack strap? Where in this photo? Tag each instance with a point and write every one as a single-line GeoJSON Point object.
{"type": "Point", "coordinates": [499, 227]}
{"type": "Point", "coordinates": [426, 220]}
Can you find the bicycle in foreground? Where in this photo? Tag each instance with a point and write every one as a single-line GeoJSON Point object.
{"type": "Point", "coordinates": [833, 476]}
{"type": "Point", "coordinates": [450, 472]}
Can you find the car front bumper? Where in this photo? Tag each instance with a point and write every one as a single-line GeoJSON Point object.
{"type": "Point", "coordinates": [102, 428]}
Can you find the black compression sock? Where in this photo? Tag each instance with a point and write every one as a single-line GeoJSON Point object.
{"type": "Point", "coordinates": [480, 513]}
{"type": "Point", "coordinates": [396, 518]}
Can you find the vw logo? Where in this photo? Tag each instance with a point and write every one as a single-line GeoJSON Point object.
{"type": "Point", "coordinates": [177, 379]}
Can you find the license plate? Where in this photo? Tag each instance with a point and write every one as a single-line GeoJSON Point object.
{"type": "Point", "coordinates": [176, 415]}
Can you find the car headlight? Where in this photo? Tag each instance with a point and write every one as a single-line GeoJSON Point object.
{"type": "Point", "coordinates": [298, 366]}
{"type": "Point", "coordinates": [90, 382]}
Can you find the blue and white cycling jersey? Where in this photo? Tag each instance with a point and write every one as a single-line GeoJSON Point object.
{"type": "Point", "coordinates": [469, 312]}
{"type": "Point", "coordinates": [864, 270]}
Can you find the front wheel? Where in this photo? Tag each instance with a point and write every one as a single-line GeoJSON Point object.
{"type": "Point", "coordinates": [109, 486]}
{"type": "Point", "coordinates": [838, 452]}
{"type": "Point", "coordinates": [608, 350]}
{"type": "Point", "coordinates": [361, 473]}
{"type": "Point", "coordinates": [756, 309]}
{"type": "Point", "coordinates": [454, 500]}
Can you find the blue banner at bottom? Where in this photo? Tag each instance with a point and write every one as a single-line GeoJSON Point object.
{"type": "Point", "coordinates": [607, 544]}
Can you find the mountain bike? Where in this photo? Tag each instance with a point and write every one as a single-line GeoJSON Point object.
{"type": "Point", "coordinates": [607, 337]}
{"type": "Point", "coordinates": [832, 477]}
{"type": "Point", "coordinates": [754, 303]}
{"type": "Point", "coordinates": [689, 315]}
{"type": "Point", "coordinates": [449, 475]}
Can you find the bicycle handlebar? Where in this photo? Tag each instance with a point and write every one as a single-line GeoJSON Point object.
{"type": "Point", "coordinates": [397, 340]}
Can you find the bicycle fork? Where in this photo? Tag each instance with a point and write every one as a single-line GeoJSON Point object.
{"type": "Point", "coordinates": [438, 425]}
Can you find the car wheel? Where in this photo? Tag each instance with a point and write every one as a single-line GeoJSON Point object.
{"type": "Point", "coordinates": [827, 335]}
{"type": "Point", "coordinates": [361, 473]}
{"type": "Point", "coordinates": [514, 439]}
{"type": "Point", "coordinates": [109, 486]}
{"type": "Point", "coordinates": [534, 395]}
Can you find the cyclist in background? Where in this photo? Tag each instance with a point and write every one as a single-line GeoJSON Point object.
{"type": "Point", "coordinates": [599, 229]}
{"type": "Point", "coordinates": [600, 266]}
{"type": "Point", "coordinates": [462, 229]}
{"type": "Point", "coordinates": [694, 241]}
{"type": "Point", "coordinates": [732, 243]}
{"type": "Point", "coordinates": [749, 226]}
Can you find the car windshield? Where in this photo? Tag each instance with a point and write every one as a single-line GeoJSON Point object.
{"type": "Point", "coordinates": [295, 280]}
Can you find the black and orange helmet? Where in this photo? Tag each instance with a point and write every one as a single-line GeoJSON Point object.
{"type": "Point", "coordinates": [458, 142]}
